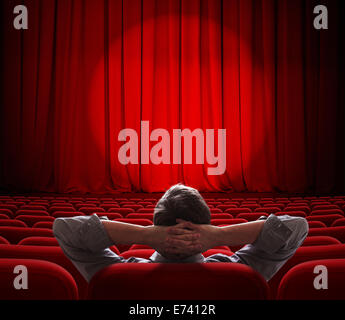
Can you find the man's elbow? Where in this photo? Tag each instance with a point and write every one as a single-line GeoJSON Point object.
{"type": "Point", "coordinates": [301, 229]}
{"type": "Point", "coordinates": [59, 228]}
{"type": "Point", "coordinates": [303, 226]}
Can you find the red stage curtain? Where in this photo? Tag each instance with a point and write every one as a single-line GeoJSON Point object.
{"type": "Point", "coordinates": [86, 69]}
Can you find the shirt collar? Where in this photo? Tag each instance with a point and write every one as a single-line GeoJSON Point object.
{"type": "Point", "coordinates": [158, 258]}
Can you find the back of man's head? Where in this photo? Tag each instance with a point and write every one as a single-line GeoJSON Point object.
{"type": "Point", "coordinates": [181, 202]}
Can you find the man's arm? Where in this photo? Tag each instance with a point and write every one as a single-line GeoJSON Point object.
{"type": "Point", "coordinates": [85, 240]}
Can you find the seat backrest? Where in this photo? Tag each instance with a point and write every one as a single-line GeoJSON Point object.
{"type": "Point", "coordinates": [39, 241]}
{"type": "Point", "coordinates": [15, 234]}
{"type": "Point", "coordinates": [53, 209]}
{"type": "Point", "coordinates": [122, 211]}
{"type": "Point", "coordinates": [31, 213]}
{"type": "Point", "coordinates": [316, 224]}
{"type": "Point", "coordinates": [326, 211]}
{"type": "Point", "coordinates": [3, 240]}
{"type": "Point", "coordinates": [12, 223]}
{"type": "Point", "coordinates": [31, 220]}
{"type": "Point", "coordinates": [200, 281]}
{"type": "Point", "coordinates": [48, 253]}
{"type": "Point", "coordinates": [338, 223]}
{"type": "Point", "coordinates": [46, 281]}
{"type": "Point", "coordinates": [44, 224]}
{"type": "Point", "coordinates": [89, 210]}
{"type": "Point", "coordinates": [303, 208]}
{"type": "Point", "coordinates": [298, 282]}
{"type": "Point", "coordinates": [235, 211]}
{"type": "Point", "coordinates": [61, 214]}
{"type": "Point", "coordinates": [267, 209]}
{"type": "Point", "coordinates": [213, 251]}
{"type": "Point", "coordinates": [320, 241]}
{"type": "Point", "coordinates": [307, 253]}
{"type": "Point", "coordinates": [336, 232]}
{"type": "Point", "coordinates": [6, 212]}
{"type": "Point", "coordinates": [328, 219]}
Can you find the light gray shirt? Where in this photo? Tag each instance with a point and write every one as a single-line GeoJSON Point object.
{"type": "Point", "coordinates": [86, 243]}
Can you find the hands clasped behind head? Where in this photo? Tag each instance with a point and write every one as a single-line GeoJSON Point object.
{"type": "Point", "coordinates": [182, 240]}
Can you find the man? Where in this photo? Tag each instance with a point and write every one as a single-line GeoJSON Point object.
{"type": "Point", "coordinates": [181, 231]}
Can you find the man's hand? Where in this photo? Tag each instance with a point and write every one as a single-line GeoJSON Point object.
{"type": "Point", "coordinates": [175, 242]}
{"type": "Point", "coordinates": [209, 235]}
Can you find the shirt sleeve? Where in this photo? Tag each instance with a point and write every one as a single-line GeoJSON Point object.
{"type": "Point", "coordinates": [86, 243]}
{"type": "Point", "coordinates": [278, 240]}
{"type": "Point", "coordinates": [84, 232]}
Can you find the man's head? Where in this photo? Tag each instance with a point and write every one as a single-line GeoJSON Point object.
{"type": "Point", "coordinates": [181, 202]}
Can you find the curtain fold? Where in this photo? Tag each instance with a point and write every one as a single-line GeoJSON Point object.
{"type": "Point", "coordinates": [85, 70]}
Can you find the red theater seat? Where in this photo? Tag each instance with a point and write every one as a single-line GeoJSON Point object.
{"type": "Point", "coordinates": [33, 207]}
{"type": "Point", "coordinates": [3, 240]}
{"type": "Point", "coordinates": [110, 215]}
{"type": "Point", "coordinates": [91, 210]}
{"type": "Point", "coordinates": [48, 253]}
{"type": "Point", "coordinates": [44, 224]}
{"type": "Point", "coordinates": [336, 232]}
{"type": "Point", "coordinates": [316, 224]}
{"type": "Point", "coordinates": [235, 211]}
{"type": "Point", "coordinates": [223, 207]}
{"type": "Point", "coordinates": [135, 207]}
{"type": "Point", "coordinates": [13, 208]}
{"type": "Point", "coordinates": [46, 281]}
{"type": "Point", "coordinates": [107, 206]}
{"type": "Point", "coordinates": [298, 283]}
{"type": "Point", "coordinates": [338, 223]}
{"type": "Point", "coordinates": [267, 209]}
{"type": "Point", "coordinates": [65, 208]}
{"type": "Point", "coordinates": [326, 212]}
{"type": "Point", "coordinates": [38, 241]}
{"type": "Point", "coordinates": [67, 214]}
{"type": "Point", "coordinates": [320, 241]}
{"type": "Point", "coordinates": [31, 220]}
{"type": "Point", "coordinates": [307, 253]}
{"type": "Point", "coordinates": [327, 219]}
{"type": "Point", "coordinates": [146, 210]}
{"type": "Point", "coordinates": [122, 211]}
{"type": "Point", "coordinates": [12, 223]}
{"type": "Point", "coordinates": [31, 212]}
{"type": "Point", "coordinates": [305, 209]}
{"type": "Point", "coordinates": [6, 212]}
{"type": "Point", "coordinates": [15, 234]}
{"type": "Point", "coordinates": [221, 216]}
{"type": "Point", "coordinates": [215, 210]}
{"type": "Point", "coordinates": [149, 281]}
{"type": "Point", "coordinates": [213, 251]}
{"type": "Point", "coordinates": [325, 207]}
